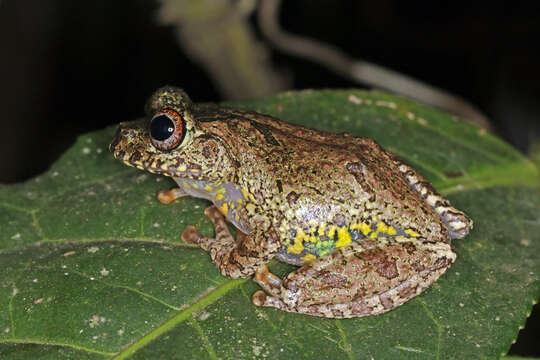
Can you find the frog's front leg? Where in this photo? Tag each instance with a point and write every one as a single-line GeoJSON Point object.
{"type": "Point", "coordinates": [235, 258]}
{"type": "Point", "coordinates": [356, 281]}
{"type": "Point", "coordinates": [168, 196]}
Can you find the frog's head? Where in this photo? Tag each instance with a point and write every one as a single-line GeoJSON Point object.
{"type": "Point", "coordinates": [170, 142]}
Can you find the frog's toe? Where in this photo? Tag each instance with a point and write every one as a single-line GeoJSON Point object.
{"type": "Point", "coordinates": [168, 196]}
{"type": "Point", "coordinates": [191, 235]}
{"type": "Point", "coordinates": [459, 224]}
{"type": "Point", "coordinates": [260, 298]}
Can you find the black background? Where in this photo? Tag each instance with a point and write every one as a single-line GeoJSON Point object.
{"type": "Point", "coordinates": [69, 67]}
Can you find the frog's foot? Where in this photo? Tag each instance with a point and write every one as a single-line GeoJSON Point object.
{"type": "Point", "coordinates": [269, 282]}
{"type": "Point", "coordinates": [357, 281]}
{"type": "Point", "coordinates": [239, 257]}
{"type": "Point", "coordinates": [458, 223]}
{"type": "Point", "coordinates": [223, 236]}
{"type": "Point", "coordinates": [168, 196]}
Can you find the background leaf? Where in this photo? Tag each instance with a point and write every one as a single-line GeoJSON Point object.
{"type": "Point", "coordinates": [93, 266]}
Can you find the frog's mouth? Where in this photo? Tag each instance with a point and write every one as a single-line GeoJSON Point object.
{"type": "Point", "coordinates": [133, 147]}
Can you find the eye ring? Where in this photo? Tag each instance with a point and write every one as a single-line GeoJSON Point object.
{"type": "Point", "coordinates": [167, 129]}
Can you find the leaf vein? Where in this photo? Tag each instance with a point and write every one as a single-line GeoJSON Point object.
{"type": "Point", "coordinates": [129, 288]}
{"type": "Point", "coordinates": [181, 316]}
{"type": "Point", "coordinates": [437, 325]}
{"type": "Point", "coordinates": [54, 343]}
{"type": "Point", "coordinates": [207, 345]}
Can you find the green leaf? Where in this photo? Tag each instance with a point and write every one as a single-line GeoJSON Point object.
{"type": "Point", "coordinates": [93, 266]}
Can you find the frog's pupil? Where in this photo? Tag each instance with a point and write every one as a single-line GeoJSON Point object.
{"type": "Point", "coordinates": [161, 128]}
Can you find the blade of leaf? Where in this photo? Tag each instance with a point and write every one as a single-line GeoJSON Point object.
{"type": "Point", "coordinates": [93, 265]}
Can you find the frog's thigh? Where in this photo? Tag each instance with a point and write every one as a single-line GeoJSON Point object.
{"type": "Point", "coordinates": [235, 258]}
{"type": "Point", "coordinates": [358, 282]}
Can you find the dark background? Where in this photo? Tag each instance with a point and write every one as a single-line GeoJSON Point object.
{"type": "Point", "coordinates": [69, 67]}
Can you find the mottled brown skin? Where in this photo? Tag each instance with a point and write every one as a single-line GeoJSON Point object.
{"type": "Point", "coordinates": [369, 231]}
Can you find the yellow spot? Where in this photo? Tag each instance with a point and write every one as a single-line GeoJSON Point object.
{"type": "Point", "coordinates": [363, 227]}
{"type": "Point", "coordinates": [240, 201]}
{"type": "Point", "coordinates": [186, 185]}
{"type": "Point", "coordinates": [208, 188]}
{"type": "Point", "coordinates": [250, 208]}
{"type": "Point", "coordinates": [344, 237]}
{"type": "Point", "coordinates": [331, 231]}
{"type": "Point", "coordinates": [195, 186]}
{"type": "Point", "coordinates": [245, 192]}
{"type": "Point", "coordinates": [182, 168]}
{"type": "Point", "coordinates": [391, 231]}
{"type": "Point", "coordinates": [219, 197]}
{"type": "Point", "coordinates": [321, 230]}
{"type": "Point", "coordinates": [411, 233]}
{"type": "Point", "coordinates": [224, 209]}
{"type": "Point", "coordinates": [308, 258]}
{"type": "Point", "coordinates": [221, 190]}
{"type": "Point", "coordinates": [297, 247]}
{"type": "Point", "coordinates": [373, 235]}
{"type": "Point", "coordinates": [232, 205]}
{"type": "Point", "coordinates": [382, 227]}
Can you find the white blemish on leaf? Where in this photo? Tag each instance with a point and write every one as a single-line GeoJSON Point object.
{"type": "Point", "coordinates": [204, 315]}
{"type": "Point", "coordinates": [96, 321]}
{"type": "Point", "coordinates": [354, 99]}
{"type": "Point", "coordinates": [387, 104]}
{"type": "Point", "coordinates": [120, 332]}
{"type": "Point", "coordinates": [69, 253]}
{"type": "Point", "coordinates": [422, 121]}
{"type": "Point", "coordinates": [86, 150]}
{"type": "Point", "coordinates": [93, 249]}
{"type": "Point", "coordinates": [17, 236]}
{"type": "Point", "coordinates": [104, 272]}
{"type": "Point", "coordinates": [38, 301]}
{"type": "Point", "coordinates": [525, 242]}
{"type": "Point", "coordinates": [7, 330]}
{"type": "Point", "coordinates": [34, 280]}
{"type": "Point", "coordinates": [15, 291]}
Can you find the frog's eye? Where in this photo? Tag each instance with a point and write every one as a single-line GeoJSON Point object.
{"type": "Point", "coordinates": [167, 129]}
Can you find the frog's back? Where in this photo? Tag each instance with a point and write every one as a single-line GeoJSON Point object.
{"type": "Point", "coordinates": [322, 190]}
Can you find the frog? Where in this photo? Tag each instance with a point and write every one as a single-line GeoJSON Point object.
{"type": "Point", "coordinates": [366, 231]}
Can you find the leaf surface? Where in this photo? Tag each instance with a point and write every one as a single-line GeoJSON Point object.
{"type": "Point", "coordinates": [93, 266]}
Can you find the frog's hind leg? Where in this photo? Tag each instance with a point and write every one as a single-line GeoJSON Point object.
{"type": "Point", "coordinates": [357, 281]}
{"type": "Point", "coordinates": [239, 257]}
{"type": "Point", "coordinates": [458, 223]}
